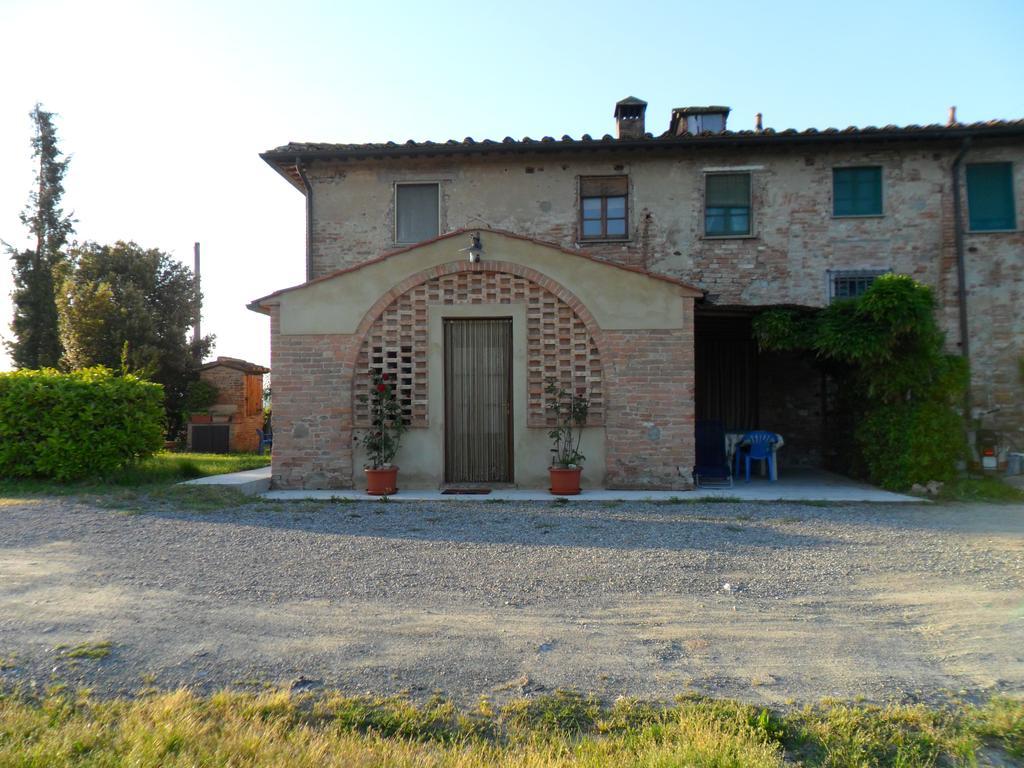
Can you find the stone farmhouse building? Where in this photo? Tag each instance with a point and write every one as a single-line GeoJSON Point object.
{"type": "Point", "coordinates": [628, 266]}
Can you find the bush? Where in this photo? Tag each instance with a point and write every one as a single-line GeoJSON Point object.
{"type": "Point", "coordinates": [907, 443]}
{"type": "Point", "coordinates": [201, 395]}
{"type": "Point", "coordinates": [71, 426]}
{"type": "Point", "coordinates": [897, 383]}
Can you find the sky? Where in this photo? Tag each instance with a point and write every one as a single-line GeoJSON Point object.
{"type": "Point", "coordinates": [164, 107]}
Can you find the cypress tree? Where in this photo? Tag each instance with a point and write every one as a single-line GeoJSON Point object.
{"type": "Point", "coordinates": [37, 271]}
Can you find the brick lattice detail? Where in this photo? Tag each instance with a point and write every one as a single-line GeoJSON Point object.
{"type": "Point", "coordinates": [558, 343]}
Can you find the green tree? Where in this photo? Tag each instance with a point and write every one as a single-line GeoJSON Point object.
{"type": "Point", "coordinates": [124, 306]}
{"type": "Point", "coordinates": [37, 271]}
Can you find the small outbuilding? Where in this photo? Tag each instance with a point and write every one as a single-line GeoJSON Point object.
{"type": "Point", "coordinates": [230, 424]}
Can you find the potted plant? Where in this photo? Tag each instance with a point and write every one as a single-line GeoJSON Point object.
{"type": "Point", "coordinates": [383, 437]}
{"type": "Point", "coordinates": [570, 412]}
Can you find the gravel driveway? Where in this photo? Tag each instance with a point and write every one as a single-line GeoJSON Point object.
{"type": "Point", "coordinates": [765, 602]}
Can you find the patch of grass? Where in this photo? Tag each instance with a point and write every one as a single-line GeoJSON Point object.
{"type": "Point", "coordinates": [162, 469]}
{"type": "Point", "coordinates": [278, 728]}
{"type": "Point", "coordinates": [981, 488]}
{"type": "Point", "coordinates": [847, 735]}
{"type": "Point", "coordinates": [1001, 721]}
{"type": "Point", "coordinates": [87, 650]}
{"type": "Point", "coordinates": [563, 712]}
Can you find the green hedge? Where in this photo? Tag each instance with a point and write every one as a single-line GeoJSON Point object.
{"type": "Point", "coordinates": [71, 426]}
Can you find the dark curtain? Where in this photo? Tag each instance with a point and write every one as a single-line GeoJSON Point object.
{"type": "Point", "coordinates": [726, 375]}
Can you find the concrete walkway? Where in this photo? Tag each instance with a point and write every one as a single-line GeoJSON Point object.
{"type": "Point", "coordinates": [251, 482]}
{"type": "Point", "coordinates": [793, 485]}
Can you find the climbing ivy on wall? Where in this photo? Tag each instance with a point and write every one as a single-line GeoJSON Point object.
{"type": "Point", "coordinates": [906, 389]}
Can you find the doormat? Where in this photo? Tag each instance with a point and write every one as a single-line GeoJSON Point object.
{"type": "Point", "coordinates": [466, 491]}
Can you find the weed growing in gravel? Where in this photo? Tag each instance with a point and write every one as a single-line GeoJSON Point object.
{"type": "Point", "coordinates": [563, 712]}
{"type": "Point", "coordinates": [87, 650]}
{"type": "Point", "coordinates": [986, 488]}
{"type": "Point", "coordinates": [278, 728]}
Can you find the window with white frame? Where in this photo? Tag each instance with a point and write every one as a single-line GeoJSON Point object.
{"type": "Point", "coordinates": [417, 212]}
{"type": "Point", "coordinates": [851, 283]}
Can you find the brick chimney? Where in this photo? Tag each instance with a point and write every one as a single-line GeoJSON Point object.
{"type": "Point", "coordinates": [698, 120]}
{"type": "Point", "coordinates": [629, 116]}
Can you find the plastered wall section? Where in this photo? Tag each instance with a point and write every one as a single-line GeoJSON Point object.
{"type": "Point", "coordinates": [643, 328]}
{"type": "Point", "coordinates": [795, 239]}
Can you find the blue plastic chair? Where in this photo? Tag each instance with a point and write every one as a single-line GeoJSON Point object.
{"type": "Point", "coordinates": [758, 446]}
{"type": "Point", "coordinates": [266, 440]}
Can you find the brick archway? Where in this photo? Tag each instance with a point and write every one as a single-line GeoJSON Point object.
{"type": "Point", "coordinates": [563, 339]}
{"type": "Point", "coordinates": [545, 282]}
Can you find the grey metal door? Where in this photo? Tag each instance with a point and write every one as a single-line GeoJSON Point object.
{"type": "Point", "coordinates": [478, 400]}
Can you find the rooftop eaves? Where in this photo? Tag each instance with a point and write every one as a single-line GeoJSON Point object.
{"type": "Point", "coordinates": [285, 158]}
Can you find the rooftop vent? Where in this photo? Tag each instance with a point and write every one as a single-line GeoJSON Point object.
{"type": "Point", "coordinates": [629, 116]}
{"type": "Point", "coordinates": [698, 120]}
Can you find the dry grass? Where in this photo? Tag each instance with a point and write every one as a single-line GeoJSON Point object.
{"type": "Point", "coordinates": [280, 729]}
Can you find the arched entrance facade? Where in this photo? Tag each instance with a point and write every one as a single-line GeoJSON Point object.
{"type": "Point", "coordinates": [471, 343]}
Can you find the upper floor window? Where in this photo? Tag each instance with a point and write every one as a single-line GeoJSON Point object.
{"type": "Point", "coordinates": [417, 212]}
{"type": "Point", "coordinates": [857, 191]}
{"type": "Point", "coordinates": [727, 204]}
{"type": "Point", "coordinates": [990, 197]}
{"type": "Point", "coordinates": [603, 207]}
{"type": "Point", "coordinates": [851, 283]}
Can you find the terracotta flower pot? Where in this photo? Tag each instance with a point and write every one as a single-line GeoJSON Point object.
{"type": "Point", "coordinates": [565, 481]}
{"type": "Point", "coordinates": [381, 482]}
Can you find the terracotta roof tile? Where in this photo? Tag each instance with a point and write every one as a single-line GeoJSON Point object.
{"type": "Point", "coordinates": [894, 131]}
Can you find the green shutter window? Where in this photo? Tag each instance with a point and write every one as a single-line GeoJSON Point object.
{"type": "Point", "coordinates": [857, 191]}
{"type": "Point", "coordinates": [727, 204]}
{"type": "Point", "coordinates": [990, 197]}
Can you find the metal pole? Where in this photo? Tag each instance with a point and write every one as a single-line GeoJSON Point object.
{"type": "Point", "coordinates": [196, 332]}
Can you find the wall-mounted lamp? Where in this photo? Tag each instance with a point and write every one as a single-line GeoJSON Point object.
{"type": "Point", "coordinates": [474, 249]}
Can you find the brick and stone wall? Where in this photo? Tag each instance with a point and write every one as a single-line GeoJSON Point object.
{"type": "Point", "coordinates": [312, 408]}
{"type": "Point", "coordinates": [791, 402]}
{"type": "Point", "coordinates": [794, 243]}
{"type": "Point", "coordinates": [650, 416]}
